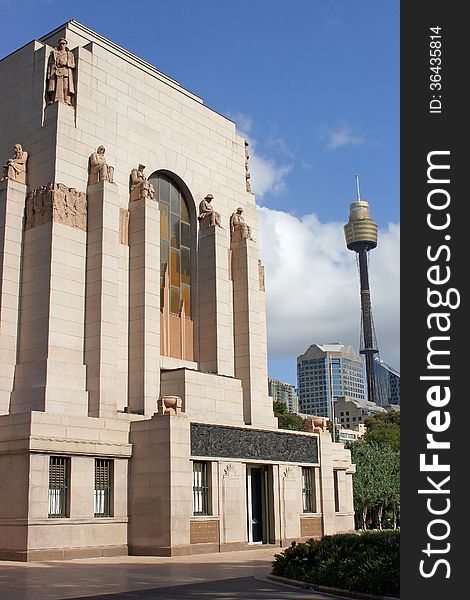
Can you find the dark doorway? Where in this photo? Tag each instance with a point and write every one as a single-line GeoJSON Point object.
{"type": "Point", "coordinates": [259, 493]}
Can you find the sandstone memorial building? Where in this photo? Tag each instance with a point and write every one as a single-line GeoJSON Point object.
{"type": "Point", "coordinates": [134, 410]}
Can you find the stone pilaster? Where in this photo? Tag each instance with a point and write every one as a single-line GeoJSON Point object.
{"type": "Point", "coordinates": [12, 201]}
{"type": "Point", "coordinates": [160, 501]}
{"type": "Point", "coordinates": [215, 303]}
{"type": "Point", "coordinates": [101, 343]}
{"type": "Point", "coordinates": [144, 306]}
{"type": "Point", "coordinates": [50, 374]}
{"type": "Point", "coordinates": [249, 321]}
{"type": "Point", "coordinates": [326, 448]}
{"type": "Point", "coordinates": [334, 457]}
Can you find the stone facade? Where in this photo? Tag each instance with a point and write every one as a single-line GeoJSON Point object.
{"type": "Point", "coordinates": [125, 324]}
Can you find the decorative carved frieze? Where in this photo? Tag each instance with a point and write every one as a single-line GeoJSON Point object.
{"type": "Point", "coordinates": [56, 202]}
{"type": "Point", "coordinates": [230, 471]}
{"type": "Point", "coordinates": [247, 169]}
{"type": "Point", "coordinates": [124, 226]}
{"type": "Point", "coordinates": [261, 276]}
{"type": "Point", "coordinates": [288, 473]}
{"type": "Point", "coordinates": [254, 444]}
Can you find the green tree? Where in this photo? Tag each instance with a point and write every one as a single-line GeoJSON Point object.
{"type": "Point", "coordinates": [280, 408]}
{"type": "Point", "coordinates": [383, 429]}
{"type": "Point", "coordinates": [287, 420]}
{"type": "Point", "coordinates": [329, 425]}
{"type": "Point", "coordinates": [376, 481]}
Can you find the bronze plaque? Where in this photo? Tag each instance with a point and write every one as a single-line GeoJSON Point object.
{"type": "Point", "coordinates": [311, 527]}
{"type": "Point", "coordinates": [202, 532]}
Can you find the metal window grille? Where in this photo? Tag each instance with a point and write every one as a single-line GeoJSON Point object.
{"type": "Point", "coordinates": [308, 490]}
{"type": "Point", "coordinates": [59, 469]}
{"type": "Point", "coordinates": [103, 487]}
{"type": "Point", "coordinates": [200, 488]}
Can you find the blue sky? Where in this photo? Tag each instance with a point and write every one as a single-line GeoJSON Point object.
{"type": "Point", "coordinates": [314, 84]}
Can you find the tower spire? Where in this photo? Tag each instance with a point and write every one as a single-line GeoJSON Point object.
{"type": "Point", "coordinates": [358, 190]}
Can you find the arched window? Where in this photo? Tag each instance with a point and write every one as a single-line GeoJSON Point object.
{"type": "Point", "coordinates": [175, 242]}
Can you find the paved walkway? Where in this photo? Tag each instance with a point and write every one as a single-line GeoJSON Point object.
{"type": "Point", "coordinates": [228, 576]}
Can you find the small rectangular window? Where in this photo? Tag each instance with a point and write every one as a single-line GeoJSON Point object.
{"type": "Point", "coordinates": [59, 476]}
{"type": "Point", "coordinates": [103, 491]}
{"type": "Point", "coordinates": [336, 487]}
{"type": "Point", "coordinates": [309, 501]}
{"type": "Point", "coordinates": [201, 488]}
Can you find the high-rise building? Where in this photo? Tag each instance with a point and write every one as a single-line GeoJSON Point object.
{"type": "Point", "coordinates": [134, 409]}
{"type": "Point", "coordinates": [281, 391]}
{"type": "Point", "coordinates": [387, 383]}
{"type": "Point", "coordinates": [325, 372]}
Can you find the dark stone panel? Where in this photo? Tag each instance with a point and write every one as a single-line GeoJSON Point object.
{"type": "Point", "coordinates": [235, 442]}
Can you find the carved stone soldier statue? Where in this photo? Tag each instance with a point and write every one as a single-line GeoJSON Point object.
{"type": "Point", "coordinates": [15, 168]}
{"type": "Point", "coordinates": [140, 186]}
{"type": "Point", "coordinates": [98, 167]}
{"type": "Point", "coordinates": [60, 86]}
{"type": "Point", "coordinates": [239, 230]}
{"type": "Point", "coordinates": [207, 215]}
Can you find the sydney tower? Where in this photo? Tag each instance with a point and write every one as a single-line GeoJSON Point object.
{"type": "Point", "coordinates": [361, 236]}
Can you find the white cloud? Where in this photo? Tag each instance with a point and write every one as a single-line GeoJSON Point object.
{"type": "Point", "coordinates": [312, 285]}
{"type": "Point", "coordinates": [244, 122]}
{"type": "Point", "coordinates": [340, 137]}
{"type": "Point", "coordinates": [267, 174]}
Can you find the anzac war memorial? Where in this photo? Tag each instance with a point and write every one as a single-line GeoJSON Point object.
{"type": "Point", "coordinates": [134, 409]}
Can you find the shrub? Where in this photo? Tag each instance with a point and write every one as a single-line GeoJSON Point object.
{"type": "Point", "coordinates": [368, 562]}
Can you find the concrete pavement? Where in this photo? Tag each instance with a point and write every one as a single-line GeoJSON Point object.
{"type": "Point", "coordinates": [232, 575]}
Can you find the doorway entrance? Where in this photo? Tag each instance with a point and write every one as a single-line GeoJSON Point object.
{"type": "Point", "coordinates": [259, 503]}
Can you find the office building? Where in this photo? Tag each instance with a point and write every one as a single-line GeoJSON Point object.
{"type": "Point", "coordinates": [387, 384]}
{"type": "Point", "coordinates": [325, 372]}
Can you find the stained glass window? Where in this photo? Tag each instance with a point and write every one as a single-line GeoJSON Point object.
{"type": "Point", "coordinates": [175, 241]}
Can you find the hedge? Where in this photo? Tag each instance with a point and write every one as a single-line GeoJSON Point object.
{"type": "Point", "coordinates": [366, 562]}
